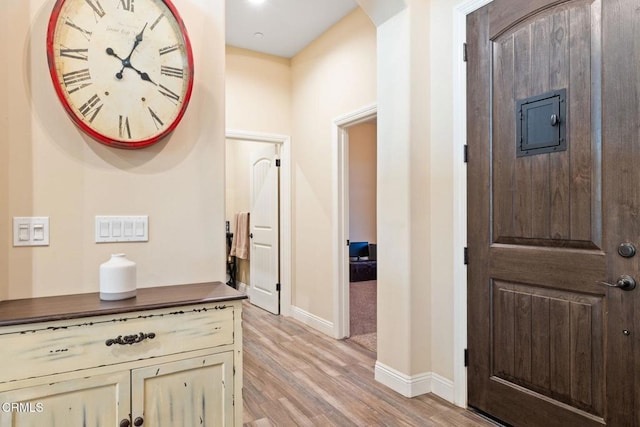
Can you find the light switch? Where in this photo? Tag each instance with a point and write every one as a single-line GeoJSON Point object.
{"type": "Point", "coordinates": [116, 228]}
{"type": "Point", "coordinates": [23, 232]}
{"type": "Point", "coordinates": [30, 231]}
{"type": "Point", "coordinates": [104, 229]}
{"type": "Point", "coordinates": [38, 232]}
{"type": "Point", "coordinates": [139, 227]}
{"type": "Point", "coordinates": [128, 228]}
{"type": "Point", "coordinates": [122, 229]}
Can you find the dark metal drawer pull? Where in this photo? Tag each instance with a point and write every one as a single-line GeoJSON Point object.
{"type": "Point", "coordinates": [130, 339]}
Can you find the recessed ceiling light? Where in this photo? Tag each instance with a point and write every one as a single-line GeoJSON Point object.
{"type": "Point", "coordinates": [256, 1]}
{"type": "Point", "coordinates": [258, 35]}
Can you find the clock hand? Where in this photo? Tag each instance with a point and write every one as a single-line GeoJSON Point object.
{"type": "Point", "coordinates": [126, 63]}
{"type": "Point", "coordinates": [110, 52]}
{"type": "Point", "coordinates": [144, 76]}
{"type": "Point", "coordinates": [138, 40]}
{"type": "Point", "coordinates": [139, 36]}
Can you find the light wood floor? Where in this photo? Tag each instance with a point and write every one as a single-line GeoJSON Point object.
{"type": "Point", "coordinates": [294, 376]}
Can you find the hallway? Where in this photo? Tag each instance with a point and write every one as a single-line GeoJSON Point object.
{"type": "Point", "coordinates": [296, 376]}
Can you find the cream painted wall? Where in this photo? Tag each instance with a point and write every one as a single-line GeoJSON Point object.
{"type": "Point", "coordinates": [362, 182]}
{"type": "Point", "coordinates": [333, 76]}
{"type": "Point", "coordinates": [404, 204]}
{"type": "Point", "coordinates": [258, 88]}
{"type": "Point", "coordinates": [53, 170]}
{"type": "Point", "coordinates": [415, 122]}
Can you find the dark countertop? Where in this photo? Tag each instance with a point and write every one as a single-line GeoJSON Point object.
{"type": "Point", "coordinates": [63, 307]}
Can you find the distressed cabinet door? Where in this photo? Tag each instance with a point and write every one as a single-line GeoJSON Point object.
{"type": "Point", "coordinates": [191, 392]}
{"type": "Point", "coordinates": [94, 400]}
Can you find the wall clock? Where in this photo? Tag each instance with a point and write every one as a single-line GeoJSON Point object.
{"type": "Point", "coordinates": [123, 69]}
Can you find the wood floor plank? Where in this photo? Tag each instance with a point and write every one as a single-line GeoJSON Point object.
{"type": "Point", "coordinates": [295, 376]}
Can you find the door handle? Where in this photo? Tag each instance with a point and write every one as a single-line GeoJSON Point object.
{"type": "Point", "coordinates": [625, 282]}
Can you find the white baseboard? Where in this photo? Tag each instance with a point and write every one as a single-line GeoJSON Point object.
{"type": "Point", "coordinates": [442, 387]}
{"type": "Point", "coordinates": [414, 385]}
{"type": "Point", "coordinates": [408, 386]}
{"type": "Point", "coordinates": [312, 320]}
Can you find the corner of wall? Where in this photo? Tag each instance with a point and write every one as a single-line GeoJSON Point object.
{"type": "Point", "coordinates": [414, 385]}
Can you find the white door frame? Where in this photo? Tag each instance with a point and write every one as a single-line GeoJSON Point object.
{"type": "Point", "coordinates": [285, 206]}
{"type": "Point", "coordinates": [460, 198]}
{"type": "Point", "coordinates": [340, 164]}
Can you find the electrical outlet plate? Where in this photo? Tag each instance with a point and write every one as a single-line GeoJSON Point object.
{"type": "Point", "coordinates": [111, 229]}
{"type": "Point", "coordinates": [31, 231]}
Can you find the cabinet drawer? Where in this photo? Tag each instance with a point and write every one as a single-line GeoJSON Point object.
{"type": "Point", "coordinates": [40, 349]}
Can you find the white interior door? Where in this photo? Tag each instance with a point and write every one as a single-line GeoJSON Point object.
{"type": "Point", "coordinates": [264, 251]}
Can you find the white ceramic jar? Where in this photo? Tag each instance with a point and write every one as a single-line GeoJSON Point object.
{"type": "Point", "coordinates": [117, 278]}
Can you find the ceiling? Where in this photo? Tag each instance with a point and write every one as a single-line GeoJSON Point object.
{"type": "Point", "coordinates": [287, 26]}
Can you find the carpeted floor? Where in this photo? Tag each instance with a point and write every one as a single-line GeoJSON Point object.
{"type": "Point", "coordinates": [362, 313]}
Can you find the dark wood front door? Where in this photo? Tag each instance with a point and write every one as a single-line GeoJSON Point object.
{"type": "Point", "coordinates": [553, 191]}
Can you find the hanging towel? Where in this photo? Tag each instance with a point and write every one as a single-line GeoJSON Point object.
{"type": "Point", "coordinates": [240, 244]}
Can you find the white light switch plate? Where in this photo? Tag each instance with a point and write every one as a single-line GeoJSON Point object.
{"type": "Point", "coordinates": [110, 229]}
{"type": "Point", "coordinates": [31, 231]}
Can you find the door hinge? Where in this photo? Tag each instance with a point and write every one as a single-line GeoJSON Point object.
{"type": "Point", "coordinates": [277, 163]}
{"type": "Point", "coordinates": [466, 256]}
{"type": "Point", "coordinates": [465, 153]}
{"type": "Point", "coordinates": [347, 242]}
{"type": "Point", "coordinates": [466, 357]}
{"type": "Point", "coordinates": [277, 287]}
{"type": "Point", "coordinates": [464, 52]}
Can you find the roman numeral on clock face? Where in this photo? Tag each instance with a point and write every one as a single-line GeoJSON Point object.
{"type": "Point", "coordinates": [98, 11]}
{"type": "Point", "coordinates": [91, 108]}
{"type": "Point", "coordinates": [169, 93]}
{"type": "Point", "coordinates": [127, 5]}
{"type": "Point", "coordinates": [81, 54]}
{"type": "Point", "coordinates": [76, 80]}
{"type": "Point", "coordinates": [156, 119]}
{"type": "Point", "coordinates": [123, 127]}
{"type": "Point", "coordinates": [156, 22]}
{"type": "Point", "coordinates": [172, 71]}
{"type": "Point", "coordinates": [168, 49]}
{"type": "Point", "coordinates": [86, 34]}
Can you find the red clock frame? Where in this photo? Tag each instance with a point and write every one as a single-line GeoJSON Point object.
{"type": "Point", "coordinates": [105, 139]}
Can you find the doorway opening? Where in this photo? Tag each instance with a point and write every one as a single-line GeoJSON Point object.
{"type": "Point", "coordinates": [363, 234]}
{"type": "Point", "coordinates": [258, 187]}
{"type": "Point", "coordinates": [355, 166]}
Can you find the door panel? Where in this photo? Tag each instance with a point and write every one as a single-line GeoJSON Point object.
{"type": "Point", "coordinates": [549, 345]}
{"type": "Point", "coordinates": [264, 249]}
{"type": "Point", "coordinates": [191, 392]}
{"type": "Point", "coordinates": [95, 400]}
{"type": "Point", "coordinates": [546, 197]}
{"type": "Point", "coordinates": [550, 342]}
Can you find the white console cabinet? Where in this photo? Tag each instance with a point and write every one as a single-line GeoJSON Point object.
{"type": "Point", "coordinates": [171, 357]}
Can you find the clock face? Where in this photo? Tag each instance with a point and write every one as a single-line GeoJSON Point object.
{"type": "Point", "coordinates": [123, 69]}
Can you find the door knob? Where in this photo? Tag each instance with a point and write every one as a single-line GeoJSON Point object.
{"type": "Point", "coordinates": [625, 282]}
{"type": "Point", "coordinates": [626, 250]}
